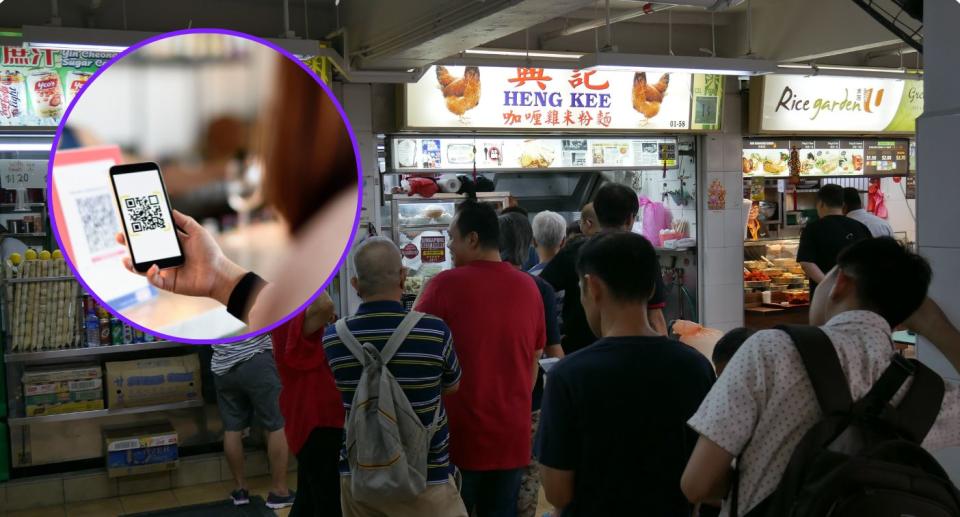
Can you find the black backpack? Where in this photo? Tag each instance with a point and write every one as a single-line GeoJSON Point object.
{"type": "Point", "coordinates": [890, 474]}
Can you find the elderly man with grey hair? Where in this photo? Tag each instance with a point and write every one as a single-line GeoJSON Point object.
{"type": "Point", "coordinates": [549, 234]}
{"type": "Point", "coordinates": [425, 366]}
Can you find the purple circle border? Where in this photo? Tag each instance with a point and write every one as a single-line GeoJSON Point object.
{"type": "Point", "coordinates": [343, 116]}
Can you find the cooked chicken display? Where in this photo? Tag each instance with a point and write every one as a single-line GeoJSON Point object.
{"type": "Point", "coordinates": [647, 97]}
{"type": "Point", "coordinates": [461, 93]}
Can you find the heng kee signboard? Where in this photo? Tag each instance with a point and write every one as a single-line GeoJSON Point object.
{"type": "Point", "coordinates": [831, 105]}
{"type": "Point", "coordinates": [456, 97]}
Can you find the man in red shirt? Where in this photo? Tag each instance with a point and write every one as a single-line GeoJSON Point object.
{"type": "Point", "coordinates": [312, 407]}
{"type": "Point", "coordinates": [496, 315]}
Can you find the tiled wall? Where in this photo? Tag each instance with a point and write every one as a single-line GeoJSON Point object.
{"type": "Point", "coordinates": [722, 230]}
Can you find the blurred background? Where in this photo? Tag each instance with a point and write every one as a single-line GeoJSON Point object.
{"type": "Point", "coordinates": [191, 104]}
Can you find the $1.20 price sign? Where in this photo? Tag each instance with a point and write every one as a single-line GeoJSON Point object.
{"type": "Point", "coordinates": [16, 174]}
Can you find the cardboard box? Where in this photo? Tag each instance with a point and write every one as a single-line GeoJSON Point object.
{"type": "Point", "coordinates": [50, 399]}
{"type": "Point", "coordinates": [61, 373]}
{"type": "Point", "coordinates": [61, 387]}
{"type": "Point", "coordinates": [140, 450]}
{"type": "Point", "coordinates": [67, 407]}
{"type": "Point", "coordinates": [146, 382]}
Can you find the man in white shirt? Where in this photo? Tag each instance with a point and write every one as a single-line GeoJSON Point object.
{"type": "Point", "coordinates": [853, 208]}
{"type": "Point", "coordinates": [763, 404]}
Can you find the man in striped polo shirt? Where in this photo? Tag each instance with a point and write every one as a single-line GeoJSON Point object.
{"type": "Point", "coordinates": [248, 392]}
{"type": "Point", "coordinates": [425, 367]}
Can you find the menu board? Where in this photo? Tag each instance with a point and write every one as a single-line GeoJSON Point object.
{"type": "Point", "coordinates": [427, 154]}
{"type": "Point", "coordinates": [826, 157]}
{"type": "Point", "coordinates": [37, 85]}
{"type": "Point", "coordinates": [457, 97]}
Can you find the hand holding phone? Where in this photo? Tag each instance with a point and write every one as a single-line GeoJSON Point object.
{"type": "Point", "coordinates": [206, 271]}
{"type": "Point", "coordinates": [147, 221]}
{"type": "Point", "coordinates": [186, 259]}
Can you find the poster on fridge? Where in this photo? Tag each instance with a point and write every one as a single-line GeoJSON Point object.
{"type": "Point", "coordinates": [473, 97]}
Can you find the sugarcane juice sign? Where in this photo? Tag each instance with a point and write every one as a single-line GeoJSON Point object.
{"type": "Point", "coordinates": [37, 85]}
{"type": "Point", "coordinates": [457, 97]}
{"type": "Point", "coordinates": [840, 104]}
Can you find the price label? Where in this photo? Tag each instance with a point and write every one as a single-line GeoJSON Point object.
{"type": "Point", "coordinates": [23, 174]}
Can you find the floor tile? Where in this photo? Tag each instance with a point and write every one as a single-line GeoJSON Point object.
{"type": "Point", "coordinates": [101, 508]}
{"type": "Point", "coordinates": [143, 484]}
{"type": "Point", "coordinates": [204, 493]}
{"type": "Point", "coordinates": [149, 502]}
{"type": "Point", "coordinates": [49, 511]}
{"type": "Point", "coordinates": [22, 495]}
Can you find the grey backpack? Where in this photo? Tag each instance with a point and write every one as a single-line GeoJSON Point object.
{"type": "Point", "coordinates": [386, 443]}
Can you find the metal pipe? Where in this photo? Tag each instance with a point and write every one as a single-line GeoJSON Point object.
{"type": "Point", "coordinates": [670, 32]}
{"type": "Point", "coordinates": [713, 33]}
{"type": "Point", "coordinates": [749, 28]}
{"type": "Point", "coordinates": [609, 25]}
{"type": "Point", "coordinates": [306, 21]}
{"type": "Point", "coordinates": [453, 19]}
{"type": "Point", "coordinates": [286, 18]}
{"type": "Point", "coordinates": [594, 24]}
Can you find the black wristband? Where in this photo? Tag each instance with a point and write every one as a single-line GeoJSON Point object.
{"type": "Point", "coordinates": [240, 296]}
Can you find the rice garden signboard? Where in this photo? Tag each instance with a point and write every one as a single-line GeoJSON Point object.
{"type": "Point", "coordinates": [468, 98]}
{"type": "Point", "coordinates": [37, 85]}
{"type": "Point", "coordinates": [793, 104]}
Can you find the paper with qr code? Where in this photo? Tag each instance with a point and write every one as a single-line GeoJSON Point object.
{"type": "Point", "coordinates": [88, 223]}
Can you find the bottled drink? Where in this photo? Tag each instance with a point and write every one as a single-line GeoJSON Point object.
{"type": "Point", "coordinates": [104, 327]}
{"type": "Point", "coordinates": [116, 332]}
{"type": "Point", "coordinates": [92, 327]}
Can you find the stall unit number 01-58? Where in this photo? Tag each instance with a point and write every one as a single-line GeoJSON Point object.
{"type": "Point", "coordinates": [679, 124]}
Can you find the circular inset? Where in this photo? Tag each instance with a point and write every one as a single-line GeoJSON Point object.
{"type": "Point", "coordinates": [204, 185]}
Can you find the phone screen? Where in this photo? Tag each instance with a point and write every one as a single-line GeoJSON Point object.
{"type": "Point", "coordinates": [147, 220]}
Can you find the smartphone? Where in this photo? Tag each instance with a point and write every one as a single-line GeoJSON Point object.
{"type": "Point", "coordinates": [146, 215]}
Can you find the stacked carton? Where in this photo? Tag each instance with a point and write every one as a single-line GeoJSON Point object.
{"type": "Point", "coordinates": [54, 390]}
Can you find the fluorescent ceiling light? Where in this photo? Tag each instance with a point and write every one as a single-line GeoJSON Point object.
{"type": "Point", "coordinates": [116, 49]}
{"type": "Point", "coordinates": [71, 38]}
{"type": "Point", "coordinates": [523, 53]}
{"type": "Point", "coordinates": [25, 147]}
{"type": "Point", "coordinates": [679, 64]}
{"type": "Point", "coordinates": [844, 68]}
{"type": "Point", "coordinates": [847, 71]}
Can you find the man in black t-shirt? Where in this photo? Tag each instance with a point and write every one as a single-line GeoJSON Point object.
{"type": "Point", "coordinates": [616, 208]}
{"type": "Point", "coordinates": [823, 239]}
{"type": "Point", "coordinates": [613, 438]}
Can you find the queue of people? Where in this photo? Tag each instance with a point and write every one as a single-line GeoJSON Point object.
{"type": "Point", "coordinates": [444, 411]}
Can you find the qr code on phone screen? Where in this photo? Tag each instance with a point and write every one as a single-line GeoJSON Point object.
{"type": "Point", "coordinates": [144, 213]}
{"type": "Point", "coordinates": [99, 220]}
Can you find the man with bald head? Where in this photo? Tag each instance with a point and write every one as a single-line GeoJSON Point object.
{"type": "Point", "coordinates": [425, 366]}
{"type": "Point", "coordinates": [589, 225]}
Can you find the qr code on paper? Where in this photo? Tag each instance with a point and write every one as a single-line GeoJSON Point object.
{"type": "Point", "coordinates": [144, 213]}
{"type": "Point", "coordinates": [99, 220]}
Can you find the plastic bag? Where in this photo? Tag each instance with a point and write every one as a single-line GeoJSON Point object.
{"type": "Point", "coordinates": [701, 338]}
{"type": "Point", "coordinates": [656, 217]}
